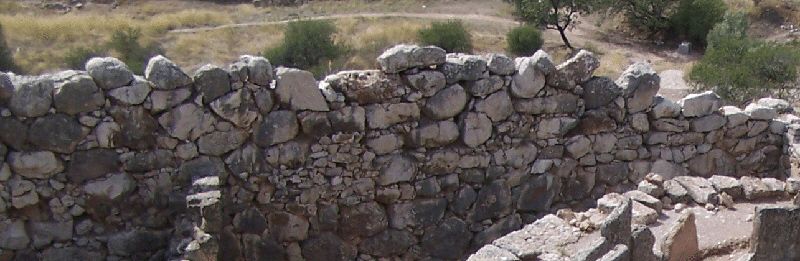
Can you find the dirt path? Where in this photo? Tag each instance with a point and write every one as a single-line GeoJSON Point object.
{"type": "Point", "coordinates": [471, 17]}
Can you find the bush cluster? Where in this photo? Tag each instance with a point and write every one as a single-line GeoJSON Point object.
{"type": "Point", "coordinates": [524, 40]}
{"type": "Point", "coordinates": [450, 36]}
{"type": "Point", "coordinates": [739, 68]}
{"type": "Point", "coordinates": [125, 43]}
{"type": "Point", "coordinates": [306, 45]}
{"type": "Point", "coordinates": [6, 57]}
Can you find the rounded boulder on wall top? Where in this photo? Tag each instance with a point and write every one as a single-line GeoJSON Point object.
{"type": "Point", "coordinates": [109, 72]}
{"type": "Point", "coordinates": [164, 74]}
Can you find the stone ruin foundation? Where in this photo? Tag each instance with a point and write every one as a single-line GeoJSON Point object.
{"type": "Point", "coordinates": [433, 157]}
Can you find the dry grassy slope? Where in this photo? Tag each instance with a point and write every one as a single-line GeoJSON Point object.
{"type": "Point", "coordinates": [41, 38]}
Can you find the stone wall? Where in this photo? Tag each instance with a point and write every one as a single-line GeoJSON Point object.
{"type": "Point", "coordinates": [431, 157]}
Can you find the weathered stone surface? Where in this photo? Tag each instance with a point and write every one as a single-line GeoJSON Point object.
{"type": "Point", "coordinates": [251, 221]}
{"type": "Point", "coordinates": [257, 70]}
{"type": "Point", "coordinates": [645, 199]}
{"type": "Point", "coordinates": [348, 119]}
{"type": "Point", "coordinates": [111, 188]}
{"type": "Point", "coordinates": [402, 57]}
{"type": "Point", "coordinates": [162, 100]}
{"type": "Point", "coordinates": [396, 168]}
{"type": "Point", "coordinates": [760, 112]}
{"type": "Point", "coordinates": [555, 127]}
{"type": "Point", "coordinates": [298, 90]}
{"type": "Point", "coordinates": [237, 107]}
{"type": "Point", "coordinates": [528, 80]}
{"type": "Point", "coordinates": [599, 92]}
{"type": "Point", "coordinates": [496, 106]}
{"type": "Point", "coordinates": [700, 189]}
{"type": "Point", "coordinates": [69, 253]}
{"type": "Point", "coordinates": [149, 160]}
{"type": "Point", "coordinates": [75, 92]}
{"type": "Point", "coordinates": [427, 82]}
{"type": "Point", "coordinates": [291, 154]}
{"type": "Point", "coordinates": [492, 253]}
{"type": "Point", "coordinates": [201, 167]}
{"type": "Point", "coordinates": [779, 105]}
{"type": "Point", "coordinates": [260, 248]}
{"type": "Point", "coordinates": [419, 213]}
{"type": "Point", "coordinates": [446, 103]}
{"type": "Point", "coordinates": [700, 104]}
{"type": "Point", "coordinates": [772, 226]}
{"type": "Point", "coordinates": [728, 185]}
{"type": "Point", "coordinates": [483, 87]}
{"type": "Point", "coordinates": [559, 104]}
{"type": "Point", "coordinates": [755, 188]}
{"type": "Point", "coordinates": [91, 164]}
{"type": "Point", "coordinates": [576, 70]}
{"type": "Point", "coordinates": [676, 191]}
{"type": "Point", "coordinates": [35, 165]}
{"type": "Point", "coordinates": [447, 240]}
{"type": "Point", "coordinates": [642, 241]}
{"type": "Point", "coordinates": [708, 123]}
{"type": "Point", "coordinates": [538, 193]}
{"type": "Point", "coordinates": [664, 108]}
{"type": "Point", "coordinates": [463, 67]}
{"type": "Point", "coordinates": [32, 96]}
{"type": "Point", "coordinates": [56, 132]}
{"type": "Point", "coordinates": [277, 127]}
{"type": "Point", "coordinates": [545, 236]}
{"type": "Point", "coordinates": [164, 74]}
{"type": "Point", "coordinates": [500, 64]}
{"type": "Point", "coordinates": [315, 124]}
{"type": "Point", "coordinates": [681, 240]}
{"type": "Point", "coordinates": [6, 88]}
{"type": "Point", "coordinates": [594, 122]}
{"type": "Point", "coordinates": [612, 174]}
{"type": "Point", "coordinates": [381, 116]}
{"type": "Point", "coordinates": [134, 94]}
{"type": "Point", "coordinates": [476, 129]}
{"type": "Point", "coordinates": [500, 228]}
{"type": "Point", "coordinates": [13, 235]}
{"type": "Point", "coordinates": [328, 247]}
{"type": "Point", "coordinates": [363, 87]}
{"type": "Point", "coordinates": [579, 146]}
{"type": "Point", "coordinates": [109, 72]}
{"type": "Point", "coordinates": [13, 133]}
{"type": "Point", "coordinates": [362, 220]}
{"type": "Point", "coordinates": [494, 200]}
{"type": "Point", "coordinates": [186, 122]}
{"type": "Point", "coordinates": [44, 233]}
{"type": "Point", "coordinates": [668, 169]}
{"type": "Point", "coordinates": [218, 143]}
{"type": "Point", "coordinates": [211, 82]}
{"type": "Point", "coordinates": [616, 228]}
{"type": "Point", "coordinates": [287, 227]}
{"type": "Point", "coordinates": [137, 242]}
{"type": "Point", "coordinates": [388, 243]}
{"type": "Point", "coordinates": [435, 134]}
{"type": "Point", "coordinates": [639, 84]}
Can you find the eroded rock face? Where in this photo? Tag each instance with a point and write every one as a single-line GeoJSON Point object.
{"type": "Point", "coordinates": [164, 74]}
{"type": "Point", "coordinates": [298, 90]}
{"type": "Point", "coordinates": [32, 96]}
{"type": "Point", "coordinates": [109, 72]}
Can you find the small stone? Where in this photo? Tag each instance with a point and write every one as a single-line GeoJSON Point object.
{"type": "Point", "coordinates": [134, 94]}
{"type": "Point", "coordinates": [701, 104]}
{"type": "Point", "coordinates": [36, 165]}
{"type": "Point", "coordinates": [446, 103]}
{"type": "Point", "coordinates": [111, 188]}
{"type": "Point", "coordinates": [211, 82]}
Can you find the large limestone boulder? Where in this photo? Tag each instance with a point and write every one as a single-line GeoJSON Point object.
{"type": "Point", "coordinates": [76, 92]}
{"type": "Point", "coordinates": [134, 94]}
{"type": "Point", "coordinates": [576, 70]}
{"type": "Point", "coordinates": [211, 82]}
{"type": "Point", "coordinates": [186, 122]}
{"type": "Point", "coordinates": [109, 72]}
{"type": "Point", "coordinates": [599, 92]}
{"type": "Point", "coordinates": [164, 74]}
{"type": "Point", "coordinates": [528, 80]}
{"type": "Point", "coordinates": [57, 132]}
{"type": "Point", "coordinates": [403, 57]}
{"type": "Point", "coordinates": [254, 69]}
{"type": "Point", "coordinates": [639, 84]}
{"type": "Point", "coordinates": [298, 90]}
{"type": "Point", "coordinates": [476, 129]}
{"type": "Point", "coordinates": [462, 67]}
{"type": "Point", "coordinates": [700, 104]}
{"type": "Point", "coordinates": [276, 127]}
{"type": "Point", "coordinates": [238, 107]}
{"type": "Point", "coordinates": [32, 96]}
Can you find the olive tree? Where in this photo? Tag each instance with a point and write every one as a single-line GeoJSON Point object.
{"type": "Point", "coordinates": [560, 15]}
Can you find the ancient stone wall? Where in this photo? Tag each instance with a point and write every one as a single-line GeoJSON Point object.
{"type": "Point", "coordinates": [431, 157]}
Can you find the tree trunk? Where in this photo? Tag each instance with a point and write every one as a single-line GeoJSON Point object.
{"type": "Point", "coordinates": [562, 31]}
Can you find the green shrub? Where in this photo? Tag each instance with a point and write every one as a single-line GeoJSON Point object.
{"type": "Point", "coordinates": [524, 40]}
{"type": "Point", "coordinates": [742, 69]}
{"type": "Point", "coordinates": [125, 42]}
{"type": "Point", "coordinates": [6, 58]}
{"type": "Point", "coordinates": [450, 35]}
{"type": "Point", "coordinates": [693, 19]}
{"type": "Point", "coordinates": [306, 45]}
{"type": "Point", "coordinates": [734, 25]}
{"type": "Point", "coordinates": [76, 58]}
